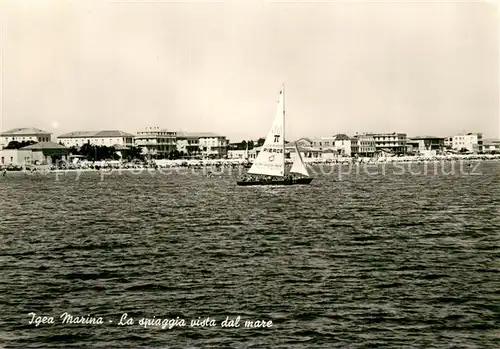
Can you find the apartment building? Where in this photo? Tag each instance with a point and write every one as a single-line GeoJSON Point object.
{"type": "Point", "coordinates": [24, 134]}
{"type": "Point", "coordinates": [342, 144]}
{"type": "Point", "coordinates": [322, 143]}
{"type": "Point", "coordinates": [429, 143]}
{"type": "Point", "coordinates": [390, 142]}
{"type": "Point", "coordinates": [39, 153]}
{"type": "Point", "coordinates": [448, 142]}
{"type": "Point", "coordinates": [108, 138]}
{"type": "Point", "coordinates": [363, 145]}
{"type": "Point", "coordinates": [188, 143]}
{"type": "Point", "coordinates": [491, 146]}
{"type": "Point", "coordinates": [339, 144]}
{"type": "Point", "coordinates": [472, 142]}
{"type": "Point", "coordinates": [206, 144]}
{"type": "Point", "coordinates": [155, 141]}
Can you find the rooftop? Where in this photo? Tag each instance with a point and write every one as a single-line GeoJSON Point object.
{"type": "Point", "coordinates": [290, 145]}
{"type": "Point", "coordinates": [341, 137]}
{"type": "Point", "coordinates": [44, 145]}
{"type": "Point", "coordinates": [198, 135]}
{"type": "Point", "coordinates": [23, 131]}
{"type": "Point", "coordinates": [491, 141]}
{"type": "Point", "coordinates": [96, 134]}
{"type": "Point", "coordinates": [156, 131]}
{"type": "Point", "coordinates": [470, 134]}
{"type": "Point", "coordinates": [385, 134]}
{"type": "Point", "coordinates": [363, 135]}
{"type": "Point", "coordinates": [426, 137]}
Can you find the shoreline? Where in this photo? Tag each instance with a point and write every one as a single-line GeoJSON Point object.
{"type": "Point", "coordinates": [214, 167]}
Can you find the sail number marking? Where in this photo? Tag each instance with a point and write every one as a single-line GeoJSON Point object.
{"type": "Point", "coordinates": [276, 129]}
{"type": "Point", "coordinates": [273, 150]}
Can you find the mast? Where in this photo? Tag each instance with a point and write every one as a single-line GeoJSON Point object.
{"type": "Point", "coordinates": [284, 138]}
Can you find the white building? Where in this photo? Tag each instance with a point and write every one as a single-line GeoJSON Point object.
{"type": "Point", "coordinates": [331, 146]}
{"type": "Point", "coordinates": [492, 145]}
{"type": "Point", "coordinates": [156, 141]}
{"type": "Point", "coordinates": [448, 142]}
{"type": "Point", "coordinates": [188, 143]}
{"type": "Point", "coordinates": [394, 142]}
{"type": "Point", "coordinates": [206, 144]}
{"type": "Point", "coordinates": [238, 154]}
{"type": "Point", "coordinates": [16, 157]}
{"type": "Point", "coordinates": [107, 138]}
{"type": "Point", "coordinates": [38, 153]}
{"type": "Point", "coordinates": [322, 143]}
{"type": "Point", "coordinates": [342, 144]}
{"type": "Point", "coordinates": [363, 145]}
{"type": "Point", "coordinates": [24, 134]}
{"type": "Point", "coordinates": [312, 148]}
{"type": "Point", "coordinates": [213, 144]}
{"type": "Point", "coordinates": [473, 142]}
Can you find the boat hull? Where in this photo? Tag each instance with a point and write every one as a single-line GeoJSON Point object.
{"type": "Point", "coordinates": [294, 181]}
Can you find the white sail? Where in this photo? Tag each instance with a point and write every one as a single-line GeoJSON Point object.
{"type": "Point", "coordinates": [298, 164]}
{"type": "Point", "coordinates": [271, 159]}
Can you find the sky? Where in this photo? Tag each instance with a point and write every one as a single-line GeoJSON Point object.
{"type": "Point", "coordinates": [424, 68]}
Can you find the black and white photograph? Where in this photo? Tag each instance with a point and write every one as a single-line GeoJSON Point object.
{"type": "Point", "coordinates": [249, 174]}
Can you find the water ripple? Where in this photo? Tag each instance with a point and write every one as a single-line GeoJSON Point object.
{"type": "Point", "coordinates": [363, 262]}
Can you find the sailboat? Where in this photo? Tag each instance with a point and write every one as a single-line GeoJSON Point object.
{"type": "Point", "coordinates": [269, 168]}
{"type": "Point", "coordinates": [246, 163]}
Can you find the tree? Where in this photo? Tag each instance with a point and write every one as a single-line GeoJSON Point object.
{"type": "Point", "coordinates": [74, 150]}
{"type": "Point", "coordinates": [13, 145]}
{"type": "Point", "coordinates": [464, 150]}
{"type": "Point", "coordinates": [96, 152]}
{"type": "Point", "coordinates": [18, 145]}
{"type": "Point", "coordinates": [260, 142]}
{"type": "Point", "coordinates": [88, 151]}
{"type": "Point", "coordinates": [193, 150]}
{"type": "Point", "coordinates": [174, 154]}
{"type": "Point", "coordinates": [132, 153]}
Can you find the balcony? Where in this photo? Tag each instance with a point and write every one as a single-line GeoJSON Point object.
{"type": "Point", "coordinates": [146, 142]}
